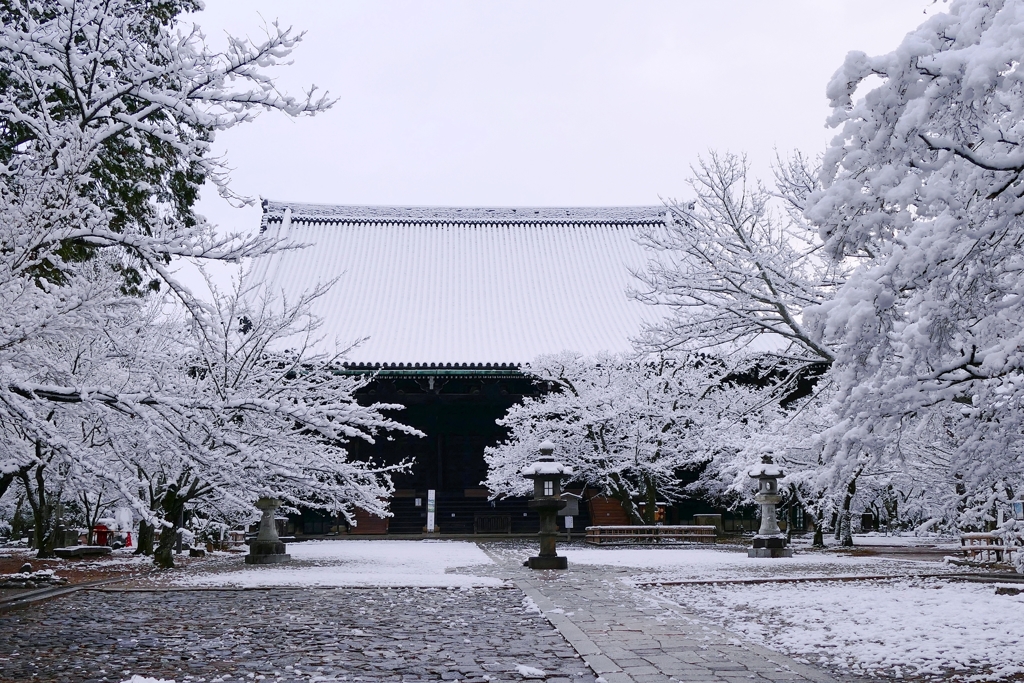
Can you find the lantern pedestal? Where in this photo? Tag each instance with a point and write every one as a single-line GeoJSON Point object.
{"type": "Point", "coordinates": [769, 546]}
{"type": "Point", "coordinates": [267, 547]}
{"type": "Point", "coordinates": [547, 510]}
{"type": "Point", "coordinates": [769, 541]}
{"type": "Point", "coordinates": [547, 501]}
{"type": "Point", "coordinates": [556, 562]}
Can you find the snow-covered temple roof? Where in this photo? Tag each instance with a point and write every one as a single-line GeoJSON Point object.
{"type": "Point", "coordinates": [464, 285]}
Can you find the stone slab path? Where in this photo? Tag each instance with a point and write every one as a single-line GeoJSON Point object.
{"type": "Point", "coordinates": [630, 635]}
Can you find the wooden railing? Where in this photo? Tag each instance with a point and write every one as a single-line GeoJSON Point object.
{"type": "Point", "coordinates": [987, 546]}
{"type": "Point", "coordinates": [655, 533]}
{"type": "Point", "coordinates": [484, 523]}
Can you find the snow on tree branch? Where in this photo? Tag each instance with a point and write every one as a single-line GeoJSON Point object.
{"type": "Point", "coordinates": [922, 186]}
{"type": "Point", "coordinates": [108, 109]}
{"type": "Point", "coordinates": [627, 426]}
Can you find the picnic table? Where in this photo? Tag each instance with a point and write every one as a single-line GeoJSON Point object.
{"type": "Point", "coordinates": [652, 533]}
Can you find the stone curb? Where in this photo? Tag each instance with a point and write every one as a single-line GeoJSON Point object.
{"type": "Point", "coordinates": [48, 593]}
{"type": "Point", "coordinates": [991, 578]}
{"type": "Point", "coordinates": [819, 579]}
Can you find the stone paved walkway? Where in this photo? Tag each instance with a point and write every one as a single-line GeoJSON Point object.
{"type": "Point", "coordinates": [629, 635]}
{"type": "Point", "coordinates": [398, 634]}
{"type": "Point", "coordinates": [625, 634]}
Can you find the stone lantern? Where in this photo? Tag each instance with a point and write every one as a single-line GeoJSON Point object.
{"type": "Point", "coordinates": [769, 541]}
{"type": "Point", "coordinates": [547, 501]}
{"type": "Point", "coordinates": [267, 547]}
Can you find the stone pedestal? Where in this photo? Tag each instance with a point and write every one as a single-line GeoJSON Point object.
{"type": "Point", "coordinates": [556, 562]}
{"type": "Point", "coordinates": [548, 558]}
{"type": "Point", "coordinates": [769, 541]}
{"type": "Point", "coordinates": [267, 547]}
{"type": "Point", "coordinates": [547, 501]}
{"type": "Point", "coordinates": [769, 546]}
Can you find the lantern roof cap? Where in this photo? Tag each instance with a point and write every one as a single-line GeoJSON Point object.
{"type": "Point", "coordinates": [542, 467]}
{"type": "Point", "coordinates": [766, 470]}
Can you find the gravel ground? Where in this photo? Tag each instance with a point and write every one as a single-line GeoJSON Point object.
{"type": "Point", "coordinates": [377, 634]}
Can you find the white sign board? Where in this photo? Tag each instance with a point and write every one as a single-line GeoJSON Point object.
{"type": "Point", "coordinates": [431, 501]}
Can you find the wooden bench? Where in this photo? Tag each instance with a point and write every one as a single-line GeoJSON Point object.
{"type": "Point", "coordinates": [654, 533]}
{"type": "Point", "coordinates": [987, 546]}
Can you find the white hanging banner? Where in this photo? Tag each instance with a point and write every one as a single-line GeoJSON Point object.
{"type": "Point", "coordinates": [430, 511]}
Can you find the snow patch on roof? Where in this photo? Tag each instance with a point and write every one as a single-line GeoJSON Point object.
{"type": "Point", "coordinates": [458, 285]}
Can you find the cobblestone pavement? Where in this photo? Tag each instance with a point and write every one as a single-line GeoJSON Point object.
{"type": "Point", "coordinates": [627, 635]}
{"type": "Point", "coordinates": [378, 634]}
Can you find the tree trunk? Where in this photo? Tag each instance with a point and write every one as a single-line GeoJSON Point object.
{"type": "Point", "coordinates": [631, 508]}
{"type": "Point", "coordinates": [19, 524]}
{"type": "Point", "coordinates": [144, 542]}
{"type": "Point", "coordinates": [92, 515]}
{"type": "Point", "coordinates": [172, 508]}
{"type": "Point", "coordinates": [621, 494]}
{"type": "Point", "coordinates": [845, 525]}
{"type": "Point", "coordinates": [819, 536]}
{"type": "Point", "coordinates": [44, 529]}
{"type": "Point", "coordinates": [172, 505]}
{"type": "Point", "coordinates": [651, 500]}
{"type": "Point", "coordinates": [44, 532]}
{"type": "Point", "coordinates": [43, 517]}
{"type": "Point", "coordinates": [845, 530]}
{"type": "Point", "coordinates": [164, 555]}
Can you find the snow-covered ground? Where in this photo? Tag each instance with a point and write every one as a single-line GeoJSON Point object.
{"type": "Point", "coordinates": [355, 563]}
{"type": "Point", "coordinates": [904, 626]}
{"type": "Point", "coordinates": [891, 628]}
{"type": "Point", "coordinates": [689, 564]}
{"type": "Point", "coordinates": [909, 540]}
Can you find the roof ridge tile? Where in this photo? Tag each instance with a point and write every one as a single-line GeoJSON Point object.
{"type": "Point", "coordinates": [273, 211]}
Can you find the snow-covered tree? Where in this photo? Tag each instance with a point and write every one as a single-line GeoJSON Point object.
{"type": "Point", "coordinates": [628, 426]}
{"type": "Point", "coordinates": [107, 112]}
{"type": "Point", "coordinates": [736, 266]}
{"type": "Point", "coordinates": [923, 189]}
{"type": "Point", "coordinates": [269, 415]}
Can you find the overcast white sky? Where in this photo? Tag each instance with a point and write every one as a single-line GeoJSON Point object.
{"type": "Point", "coordinates": [548, 102]}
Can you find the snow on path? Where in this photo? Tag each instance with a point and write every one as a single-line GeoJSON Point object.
{"type": "Point", "coordinates": [891, 628]}
{"type": "Point", "coordinates": [358, 563]}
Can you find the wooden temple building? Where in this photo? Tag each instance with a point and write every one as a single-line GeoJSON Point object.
{"type": "Point", "coordinates": [449, 302]}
